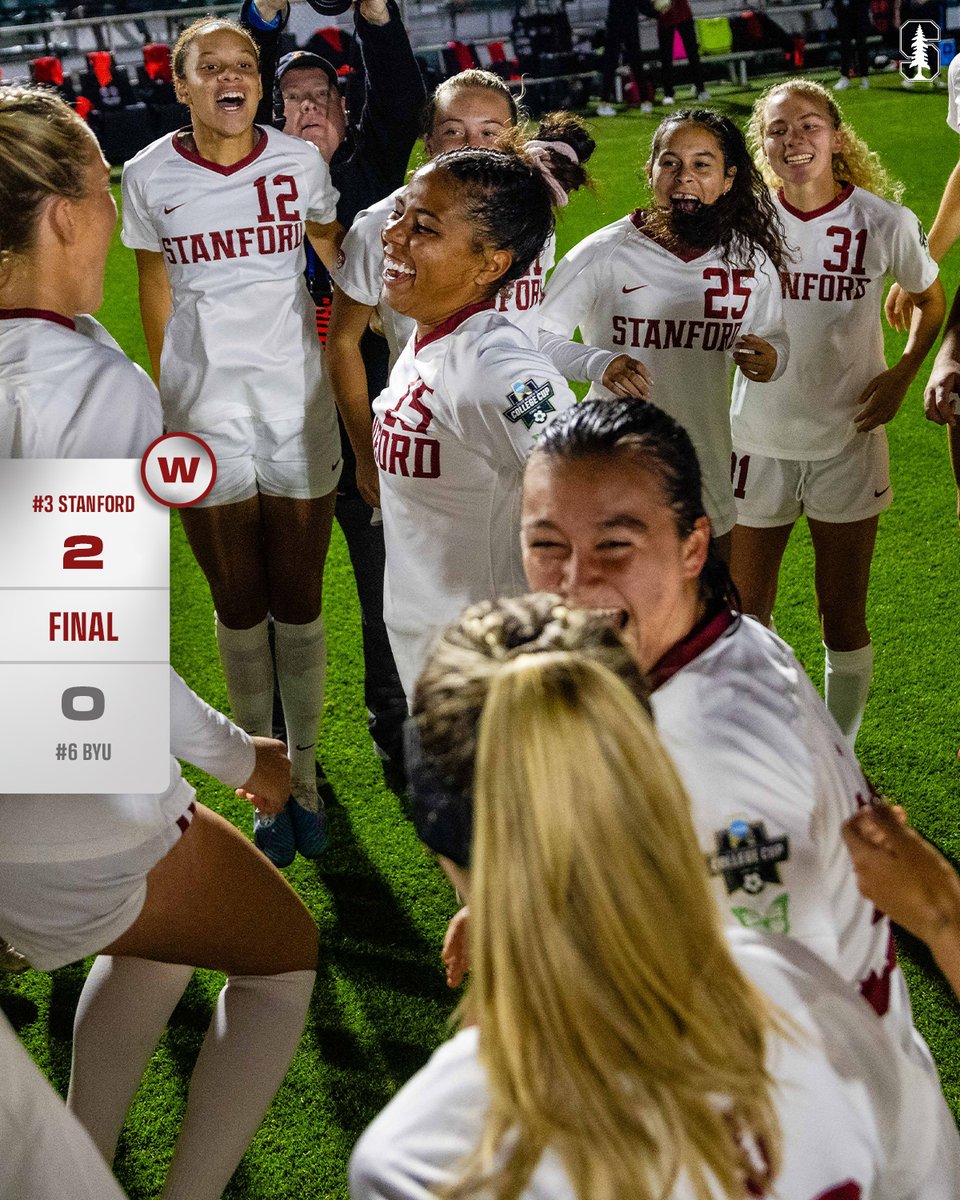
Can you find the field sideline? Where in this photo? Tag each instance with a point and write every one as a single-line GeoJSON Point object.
{"type": "Point", "coordinates": [381, 1006]}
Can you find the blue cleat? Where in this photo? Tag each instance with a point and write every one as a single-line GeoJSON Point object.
{"type": "Point", "coordinates": [273, 835]}
{"type": "Point", "coordinates": [309, 828]}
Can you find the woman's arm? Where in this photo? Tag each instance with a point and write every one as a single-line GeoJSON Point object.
{"type": "Point", "coordinates": [348, 375]}
{"type": "Point", "coordinates": [156, 303]}
{"type": "Point", "coordinates": [326, 239]}
{"type": "Point", "coordinates": [883, 396]}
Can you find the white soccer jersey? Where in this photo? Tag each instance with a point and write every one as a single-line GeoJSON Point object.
{"type": "Point", "coordinates": [67, 390]}
{"type": "Point", "coordinates": [360, 275]}
{"type": "Point", "coordinates": [832, 296]}
{"type": "Point", "coordinates": [72, 828]}
{"type": "Point", "coordinates": [953, 95]}
{"type": "Point", "coordinates": [629, 295]}
{"type": "Point", "coordinates": [242, 336]}
{"type": "Point", "coordinates": [47, 1153]}
{"type": "Point", "coordinates": [451, 432]}
{"type": "Point", "coordinates": [858, 1118]}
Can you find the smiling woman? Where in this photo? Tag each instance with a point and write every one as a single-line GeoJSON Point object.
{"type": "Point", "coordinates": [214, 211]}
{"type": "Point", "coordinates": [467, 396]}
{"type": "Point", "coordinates": [681, 289]}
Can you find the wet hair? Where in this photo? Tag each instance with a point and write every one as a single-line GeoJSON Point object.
{"type": "Point", "coordinates": [463, 82]}
{"type": "Point", "coordinates": [656, 443]}
{"type": "Point", "coordinates": [507, 200]}
{"type": "Point", "coordinates": [739, 221]}
{"type": "Point", "coordinates": [45, 151]}
{"type": "Point", "coordinates": [452, 688]}
{"type": "Point", "coordinates": [856, 163]}
{"type": "Point", "coordinates": [197, 29]}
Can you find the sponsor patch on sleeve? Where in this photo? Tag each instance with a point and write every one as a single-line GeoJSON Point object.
{"type": "Point", "coordinates": [529, 402]}
{"type": "Point", "coordinates": [746, 858]}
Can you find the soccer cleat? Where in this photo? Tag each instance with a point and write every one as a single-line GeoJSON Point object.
{"type": "Point", "coordinates": [703, 95]}
{"type": "Point", "coordinates": [842, 84]}
{"type": "Point", "coordinates": [606, 110]}
{"type": "Point", "coordinates": [309, 828]}
{"type": "Point", "coordinates": [273, 835]}
{"type": "Point", "coordinates": [12, 962]}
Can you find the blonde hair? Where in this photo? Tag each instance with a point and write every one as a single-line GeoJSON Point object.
{"type": "Point", "coordinates": [45, 151]}
{"type": "Point", "coordinates": [197, 29]}
{"type": "Point", "coordinates": [615, 1027]}
{"type": "Point", "coordinates": [465, 659]}
{"type": "Point", "coordinates": [856, 163]}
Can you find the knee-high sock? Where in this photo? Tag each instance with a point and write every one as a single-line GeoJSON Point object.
{"type": "Point", "coordinates": [124, 1007]}
{"type": "Point", "coordinates": [847, 675]}
{"type": "Point", "coordinates": [302, 671]}
{"type": "Point", "coordinates": [255, 1030]}
{"type": "Point", "coordinates": [248, 671]}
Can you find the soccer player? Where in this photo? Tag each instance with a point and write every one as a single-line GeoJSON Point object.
{"type": "Point", "coordinates": [674, 292]}
{"type": "Point", "coordinates": [468, 395]}
{"type": "Point", "coordinates": [474, 108]}
{"type": "Point", "coordinates": [613, 519]}
{"type": "Point", "coordinates": [367, 148]}
{"type": "Point", "coordinates": [944, 233]}
{"type": "Point", "coordinates": [217, 214]}
{"type": "Point", "coordinates": [619, 1042]}
{"type": "Point", "coordinates": [814, 442]}
{"type": "Point", "coordinates": [158, 882]}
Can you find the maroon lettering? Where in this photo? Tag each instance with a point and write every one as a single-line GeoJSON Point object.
{"type": "Point", "coordinates": [827, 288]}
{"type": "Point", "coordinates": [246, 237]}
{"type": "Point", "coordinates": [712, 332]}
{"type": "Point", "coordinates": [221, 242]}
{"type": "Point", "coordinates": [790, 284]}
{"type": "Point", "coordinates": [287, 194]}
{"type": "Point", "coordinates": [399, 449]}
{"type": "Point", "coordinates": [198, 249]}
{"type": "Point", "coordinates": [266, 239]}
{"type": "Point", "coordinates": [426, 458]}
{"type": "Point", "coordinates": [285, 237]}
{"type": "Point", "coordinates": [842, 1191]}
{"type": "Point", "coordinates": [844, 287]}
{"type": "Point", "coordinates": [168, 251]}
{"type": "Point", "coordinates": [619, 331]}
{"type": "Point", "coordinates": [521, 295]}
{"type": "Point", "coordinates": [739, 477]}
{"type": "Point", "coordinates": [652, 337]}
{"type": "Point", "coordinates": [694, 329]}
{"type": "Point", "coordinates": [180, 242]}
{"type": "Point", "coordinates": [674, 334]}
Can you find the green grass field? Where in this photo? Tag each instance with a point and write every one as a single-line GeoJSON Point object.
{"type": "Point", "coordinates": [381, 905]}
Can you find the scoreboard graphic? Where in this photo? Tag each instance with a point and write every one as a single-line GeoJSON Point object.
{"type": "Point", "coordinates": [84, 628]}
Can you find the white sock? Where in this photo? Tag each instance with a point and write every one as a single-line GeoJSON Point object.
{"type": "Point", "coordinates": [124, 1007]}
{"type": "Point", "coordinates": [847, 675]}
{"type": "Point", "coordinates": [248, 671]}
{"type": "Point", "coordinates": [301, 652]}
{"type": "Point", "coordinates": [254, 1032]}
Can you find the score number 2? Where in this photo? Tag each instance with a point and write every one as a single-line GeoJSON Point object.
{"type": "Point", "coordinates": [81, 552]}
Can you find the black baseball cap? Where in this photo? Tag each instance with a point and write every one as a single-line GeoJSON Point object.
{"type": "Point", "coordinates": [306, 60]}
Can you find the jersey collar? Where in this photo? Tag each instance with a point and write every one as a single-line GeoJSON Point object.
{"type": "Point", "coordinates": [194, 157]}
{"type": "Point", "coordinates": [844, 194]}
{"type": "Point", "coordinates": [639, 218]}
{"type": "Point", "coordinates": [701, 637]}
{"type": "Point", "coordinates": [450, 324]}
{"type": "Point", "coordinates": [38, 314]}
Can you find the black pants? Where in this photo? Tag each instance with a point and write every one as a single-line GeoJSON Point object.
{"type": "Point", "coordinates": [688, 35]}
{"type": "Point", "coordinates": [623, 32]}
{"type": "Point", "coordinates": [853, 25]}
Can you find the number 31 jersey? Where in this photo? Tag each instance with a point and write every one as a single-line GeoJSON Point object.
{"type": "Point", "coordinates": [832, 293]}
{"type": "Point", "coordinates": [678, 316]}
{"type": "Point", "coordinates": [242, 335]}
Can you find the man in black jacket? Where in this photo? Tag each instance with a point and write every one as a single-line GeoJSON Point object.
{"type": "Point", "coordinates": [368, 158]}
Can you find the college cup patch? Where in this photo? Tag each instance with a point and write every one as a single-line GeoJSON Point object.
{"type": "Point", "coordinates": [529, 403]}
{"type": "Point", "coordinates": [746, 857]}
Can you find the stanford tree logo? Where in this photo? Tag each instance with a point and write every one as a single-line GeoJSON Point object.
{"type": "Point", "coordinates": [920, 50]}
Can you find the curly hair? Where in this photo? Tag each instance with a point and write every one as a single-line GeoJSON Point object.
{"type": "Point", "coordinates": [45, 150]}
{"type": "Point", "coordinates": [507, 200]}
{"type": "Point", "coordinates": [742, 220]}
{"type": "Point", "coordinates": [856, 163]}
{"type": "Point", "coordinates": [564, 127]}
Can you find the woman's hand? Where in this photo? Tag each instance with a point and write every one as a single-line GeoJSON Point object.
{"type": "Point", "coordinates": [898, 307]}
{"type": "Point", "coordinates": [268, 788]}
{"type": "Point", "coordinates": [627, 376]}
{"type": "Point", "coordinates": [940, 396]}
{"type": "Point", "coordinates": [456, 948]}
{"type": "Point", "coordinates": [880, 400]}
{"type": "Point", "coordinates": [755, 357]}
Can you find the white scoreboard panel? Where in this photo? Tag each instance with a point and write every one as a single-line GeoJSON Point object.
{"type": "Point", "coordinates": [84, 628]}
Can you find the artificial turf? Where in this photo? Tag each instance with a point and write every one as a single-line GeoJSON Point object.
{"type": "Point", "coordinates": [381, 1006]}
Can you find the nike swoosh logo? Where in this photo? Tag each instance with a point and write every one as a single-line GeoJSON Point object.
{"type": "Point", "coordinates": [168, 211]}
{"type": "Point", "coordinates": [309, 746]}
{"type": "Point", "coordinates": [627, 291]}
{"type": "Point", "coordinates": [877, 494]}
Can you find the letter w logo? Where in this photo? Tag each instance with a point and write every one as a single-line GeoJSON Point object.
{"type": "Point", "coordinates": [178, 468]}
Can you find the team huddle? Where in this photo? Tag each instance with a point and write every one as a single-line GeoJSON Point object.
{"type": "Point", "coordinates": [675, 985]}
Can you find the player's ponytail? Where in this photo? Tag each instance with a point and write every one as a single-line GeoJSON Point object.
{"type": "Point", "coordinates": [615, 1028]}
